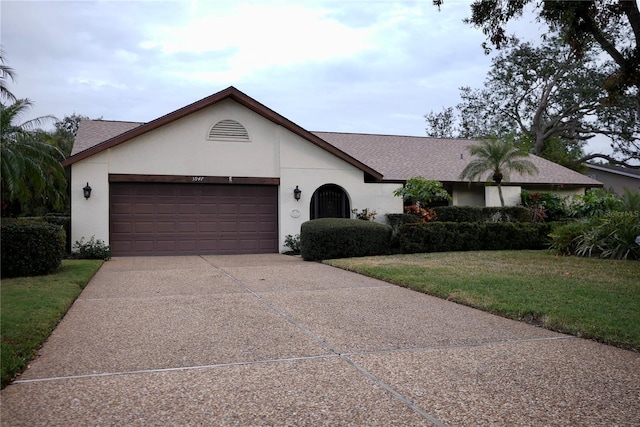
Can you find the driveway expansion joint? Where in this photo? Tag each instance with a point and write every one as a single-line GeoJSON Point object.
{"type": "Point", "coordinates": [371, 377]}
{"type": "Point", "coordinates": [181, 368]}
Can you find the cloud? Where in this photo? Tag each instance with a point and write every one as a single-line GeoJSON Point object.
{"type": "Point", "coordinates": [358, 66]}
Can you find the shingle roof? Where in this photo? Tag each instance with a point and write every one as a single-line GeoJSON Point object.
{"type": "Point", "coordinates": [386, 157]}
{"type": "Point", "coordinates": [402, 157]}
{"type": "Point", "coordinates": [618, 170]}
{"type": "Point", "coordinates": [93, 132]}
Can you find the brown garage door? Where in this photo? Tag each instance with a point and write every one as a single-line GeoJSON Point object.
{"type": "Point", "coordinates": [192, 219]}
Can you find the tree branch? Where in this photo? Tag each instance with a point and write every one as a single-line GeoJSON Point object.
{"type": "Point", "coordinates": [623, 162]}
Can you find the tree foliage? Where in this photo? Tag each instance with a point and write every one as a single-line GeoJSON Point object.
{"type": "Point", "coordinates": [497, 157]}
{"type": "Point", "coordinates": [6, 73]}
{"type": "Point", "coordinates": [613, 24]}
{"type": "Point", "coordinates": [552, 99]}
{"type": "Point", "coordinates": [30, 172]}
{"type": "Point", "coordinates": [422, 191]}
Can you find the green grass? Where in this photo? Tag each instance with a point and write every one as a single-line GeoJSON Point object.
{"type": "Point", "coordinates": [31, 307]}
{"type": "Point", "coordinates": [590, 298]}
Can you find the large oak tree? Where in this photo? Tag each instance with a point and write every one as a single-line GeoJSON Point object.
{"type": "Point", "coordinates": [612, 25]}
{"type": "Point", "coordinates": [553, 99]}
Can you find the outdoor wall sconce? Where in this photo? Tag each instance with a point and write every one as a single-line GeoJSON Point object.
{"type": "Point", "coordinates": [87, 191]}
{"type": "Point", "coordinates": [297, 193]}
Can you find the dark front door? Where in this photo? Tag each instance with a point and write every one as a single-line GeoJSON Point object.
{"type": "Point", "coordinates": [330, 201]}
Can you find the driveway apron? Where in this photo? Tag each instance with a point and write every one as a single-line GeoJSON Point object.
{"type": "Point", "coordinates": [260, 340]}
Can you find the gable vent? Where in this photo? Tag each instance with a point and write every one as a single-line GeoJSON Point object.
{"type": "Point", "coordinates": [229, 130]}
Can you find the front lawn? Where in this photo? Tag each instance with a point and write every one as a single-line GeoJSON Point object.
{"type": "Point", "coordinates": [31, 307]}
{"type": "Point", "coordinates": [590, 298]}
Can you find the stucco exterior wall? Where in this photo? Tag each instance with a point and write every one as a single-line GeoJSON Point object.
{"type": "Point", "coordinates": [309, 167]}
{"type": "Point", "coordinates": [182, 148]}
{"type": "Point", "coordinates": [614, 181]}
{"type": "Point", "coordinates": [90, 217]}
{"type": "Point", "coordinates": [465, 195]}
{"type": "Point", "coordinates": [511, 195]}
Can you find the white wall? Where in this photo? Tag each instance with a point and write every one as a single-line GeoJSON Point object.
{"type": "Point", "coordinates": [511, 195]}
{"type": "Point", "coordinates": [181, 147]}
{"type": "Point", "coordinates": [465, 195]}
{"type": "Point", "coordinates": [310, 167]}
{"type": "Point", "coordinates": [90, 217]}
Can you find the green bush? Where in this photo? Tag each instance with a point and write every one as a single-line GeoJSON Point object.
{"type": "Point", "coordinates": [612, 235]}
{"type": "Point", "coordinates": [482, 214]}
{"type": "Point", "coordinates": [564, 237]}
{"type": "Point", "coordinates": [328, 238]}
{"type": "Point", "coordinates": [422, 192]}
{"type": "Point", "coordinates": [30, 248]}
{"type": "Point", "coordinates": [293, 242]}
{"type": "Point", "coordinates": [58, 219]}
{"type": "Point", "coordinates": [544, 206]}
{"type": "Point", "coordinates": [92, 249]}
{"type": "Point", "coordinates": [596, 202]}
{"type": "Point", "coordinates": [470, 236]}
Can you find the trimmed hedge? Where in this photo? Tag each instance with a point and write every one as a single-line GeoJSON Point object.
{"type": "Point", "coordinates": [57, 219]}
{"type": "Point", "coordinates": [469, 236]}
{"type": "Point", "coordinates": [482, 214]}
{"type": "Point", "coordinates": [30, 248]}
{"type": "Point", "coordinates": [328, 238]}
{"type": "Point", "coordinates": [395, 221]}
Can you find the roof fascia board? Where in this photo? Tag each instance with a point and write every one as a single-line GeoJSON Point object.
{"type": "Point", "coordinates": [242, 99]}
{"type": "Point", "coordinates": [613, 171]}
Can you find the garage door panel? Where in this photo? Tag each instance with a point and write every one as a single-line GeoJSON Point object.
{"type": "Point", "coordinates": [207, 226]}
{"type": "Point", "coordinates": [166, 227]}
{"type": "Point", "coordinates": [188, 227]}
{"type": "Point", "coordinates": [165, 208]}
{"type": "Point", "coordinates": [181, 219]}
{"type": "Point", "coordinates": [209, 208]}
{"type": "Point", "coordinates": [121, 208]}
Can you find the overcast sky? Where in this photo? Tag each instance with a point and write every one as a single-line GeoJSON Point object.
{"type": "Point", "coordinates": [343, 66]}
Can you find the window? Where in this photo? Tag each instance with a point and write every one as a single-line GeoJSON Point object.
{"type": "Point", "coordinates": [229, 130]}
{"type": "Point", "coordinates": [330, 201]}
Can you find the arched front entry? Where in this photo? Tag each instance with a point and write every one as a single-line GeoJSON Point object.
{"type": "Point", "coordinates": [330, 201]}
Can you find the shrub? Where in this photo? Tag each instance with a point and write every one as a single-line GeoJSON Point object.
{"type": "Point", "coordinates": [92, 249]}
{"type": "Point", "coordinates": [544, 206]}
{"type": "Point", "coordinates": [564, 237]}
{"type": "Point", "coordinates": [30, 248]}
{"type": "Point", "coordinates": [612, 235]}
{"type": "Point", "coordinates": [516, 236]}
{"type": "Point", "coordinates": [421, 191]}
{"type": "Point", "coordinates": [395, 221]}
{"type": "Point", "coordinates": [595, 202]}
{"type": "Point", "coordinates": [630, 201]}
{"type": "Point", "coordinates": [468, 236]}
{"type": "Point", "coordinates": [482, 214]}
{"type": "Point", "coordinates": [292, 242]}
{"type": "Point", "coordinates": [423, 215]}
{"type": "Point", "coordinates": [328, 238]}
{"type": "Point", "coordinates": [58, 219]}
{"type": "Point", "coordinates": [365, 214]}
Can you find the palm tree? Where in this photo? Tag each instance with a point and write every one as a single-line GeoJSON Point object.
{"type": "Point", "coordinates": [6, 73]}
{"type": "Point", "coordinates": [30, 170]}
{"type": "Point", "coordinates": [497, 157]}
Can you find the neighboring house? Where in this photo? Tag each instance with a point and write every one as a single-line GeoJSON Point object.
{"type": "Point", "coordinates": [616, 178]}
{"type": "Point", "coordinates": [219, 176]}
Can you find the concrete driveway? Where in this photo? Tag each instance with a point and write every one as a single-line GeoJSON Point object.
{"type": "Point", "coordinates": [271, 340]}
